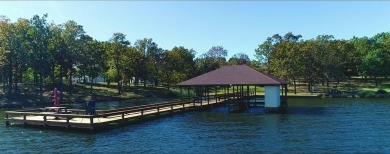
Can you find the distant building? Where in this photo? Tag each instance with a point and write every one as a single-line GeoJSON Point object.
{"type": "Point", "coordinates": [80, 79]}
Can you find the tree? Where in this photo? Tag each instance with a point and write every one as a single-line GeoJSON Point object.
{"type": "Point", "coordinates": [58, 51]}
{"type": "Point", "coordinates": [39, 41]}
{"type": "Point", "coordinates": [119, 45]}
{"type": "Point", "coordinates": [20, 46]}
{"type": "Point", "coordinates": [71, 35]}
{"type": "Point", "coordinates": [382, 43]}
{"type": "Point", "coordinates": [96, 60]}
{"type": "Point", "coordinates": [178, 65]}
{"type": "Point", "coordinates": [362, 47]}
{"type": "Point", "coordinates": [84, 59]}
{"type": "Point", "coordinates": [213, 59]}
{"type": "Point", "coordinates": [132, 60]}
{"type": "Point", "coordinates": [6, 47]}
{"type": "Point", "coordinates": [263, 53]}
{"type": "Point", "coordinates": [239, 59]}
{"type": "Point", "coordinates": [310, 66]}
{"type": "Point", "coordinates": [373, 63]}
{"type": "Point", "coordinates": [152, 57]}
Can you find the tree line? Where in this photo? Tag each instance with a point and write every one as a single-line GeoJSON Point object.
{"type": "Point", "coordinates": [324, 58]}
{"type": "Point", "coordinates": [39, 52]}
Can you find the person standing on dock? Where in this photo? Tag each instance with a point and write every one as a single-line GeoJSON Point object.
{"type": "Point", "coordinates": [55, 93]}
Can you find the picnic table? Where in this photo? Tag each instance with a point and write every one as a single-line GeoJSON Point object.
{"type": "Point", "coordinates": [55, 110]}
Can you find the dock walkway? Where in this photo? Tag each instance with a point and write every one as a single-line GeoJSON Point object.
{"type": "Point", "coordinates": [76, 118]}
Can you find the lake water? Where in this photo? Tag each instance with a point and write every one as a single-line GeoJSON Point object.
{"type": "Point", "coordinates": [309, 126]}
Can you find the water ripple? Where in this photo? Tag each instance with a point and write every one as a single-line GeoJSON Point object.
{"type": "Point", "coordinates": [309, 126]}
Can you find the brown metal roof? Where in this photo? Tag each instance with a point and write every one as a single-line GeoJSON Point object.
{"type": "Point", "coordinates": [233, 75]}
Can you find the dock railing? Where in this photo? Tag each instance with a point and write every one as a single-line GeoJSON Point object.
{"type": "Point", "coordinates": [76, 118]}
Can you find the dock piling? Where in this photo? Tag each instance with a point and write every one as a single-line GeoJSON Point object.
{"type": "Point", "coordinates": [6, 120]}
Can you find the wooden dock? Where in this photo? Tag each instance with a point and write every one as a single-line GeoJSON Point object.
{"type": "Point", "coordinates": [103, 119]}
{"type": "Point", "coordinates": [77, 118]}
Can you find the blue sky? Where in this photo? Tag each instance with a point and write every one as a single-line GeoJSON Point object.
{"type": "Point", "coordinates": [238, 26]}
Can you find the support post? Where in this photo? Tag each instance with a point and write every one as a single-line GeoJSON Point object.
{"type": "Point", "coordinates": [234, 93]}
{"type": "Point", "coordinates": [67, 122]}
{"type": "Point", "coordinates": [215, 96]}
{"type": "Point", "coordinates": [248, 94]}
{"type": "Point", "coordinates": [91, 123]}
{"type": "Point", "coordinates": [6, 120]}
{"type": "Point", "coordinates": [44, 121]}
{"type": "Point", "coordinates": [181, 94]}
{"type": "Point", "coordinates": [228, 93]}
{"type": "Point", "coordinates": [208, 95]}
{"type": "Point", "coordinates": [188, 93]}
{"type": "Point", "coordinates": [255, 90]}
{"type": "Point", "coordinates": [24, 122]}
{"type": "Point", "coordinates": [242, 92]}
{"type": "Point", "coordinates": [285, 95]}
{"type": "Point", "coordinates": [255, 95]}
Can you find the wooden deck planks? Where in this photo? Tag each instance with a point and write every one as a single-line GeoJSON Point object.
{"type": "Point", "coordinates": [34, 117]}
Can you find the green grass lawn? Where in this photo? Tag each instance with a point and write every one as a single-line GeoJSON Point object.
{"type": "Point", "coordinates": [102, 92]}
{"type": "Point", "coordinates": [80, 93]}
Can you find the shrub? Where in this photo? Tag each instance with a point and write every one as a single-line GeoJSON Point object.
{"type": "Point", "coordinates": [370, 95]}
{"type": "Point", "coordinates": [380, 96]}
{"type": "Point", "coordinates": [381, 91]}
{"type": "Point", "coordinates": [362, 94]}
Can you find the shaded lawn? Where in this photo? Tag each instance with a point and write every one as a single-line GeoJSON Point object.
{"type": "Point", "coordinates": [29, 94]}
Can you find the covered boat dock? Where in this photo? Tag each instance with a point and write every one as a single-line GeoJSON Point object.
{"type": "Point", "coordinates": [235, 85]}
{"type": "Point", "coordinates": [238, 84]}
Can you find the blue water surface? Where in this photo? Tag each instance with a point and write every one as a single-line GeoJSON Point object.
{"type": "Point", "coordinates": [309, 126]}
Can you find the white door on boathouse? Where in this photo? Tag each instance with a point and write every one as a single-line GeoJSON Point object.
{"type": "Point", "coordinates": [272, 96]}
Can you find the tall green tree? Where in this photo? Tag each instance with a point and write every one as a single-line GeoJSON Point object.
{"type": "Point", "coordinates": [39, 42]}
{"type": "Point", "coordinates": [72, 34]}
{"type": "Point", "coordinates": [119, 45]}
{"type": "Point", "coordinates": [96, 57]}
{"type": "Point", "coordinates": [362, 47]}
{"type": "Point", "coordinates": [178, 65]}
{"type": "Point", "coordinates": [152, 56]}
{"type": "Point", "coordinates": [264, 50]}
{"type": "Point", "coordinates": [373, 63]}
{"type": "Point", "coordinates": [58, 54]}
{"type": "Point", "coordinates": [132, 62]}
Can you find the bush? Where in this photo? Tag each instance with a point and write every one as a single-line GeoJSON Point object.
{"type": "Point", "coordinates": [380, 96]}
{"type": "Point", "coordinates": [381, 92]}
{"type": "Point", "coordinates": [370, 95]}
{"type": "Point", "coordinates": [362, 94]}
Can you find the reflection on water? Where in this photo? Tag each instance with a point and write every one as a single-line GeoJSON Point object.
{"type": "Point", "coordinates": [309, 126]}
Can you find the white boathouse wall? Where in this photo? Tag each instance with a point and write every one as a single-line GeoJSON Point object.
{"type": "Point", "coordinates": [272, 96]}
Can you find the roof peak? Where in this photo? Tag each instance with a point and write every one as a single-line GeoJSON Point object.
{"type": "Point", "coordinates": [233, 75]}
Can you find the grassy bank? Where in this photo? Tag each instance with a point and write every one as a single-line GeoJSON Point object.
{"type": "Point", "coordinates": [80, 93]}
{"type": "Point", "coordinates": [355, 84]}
